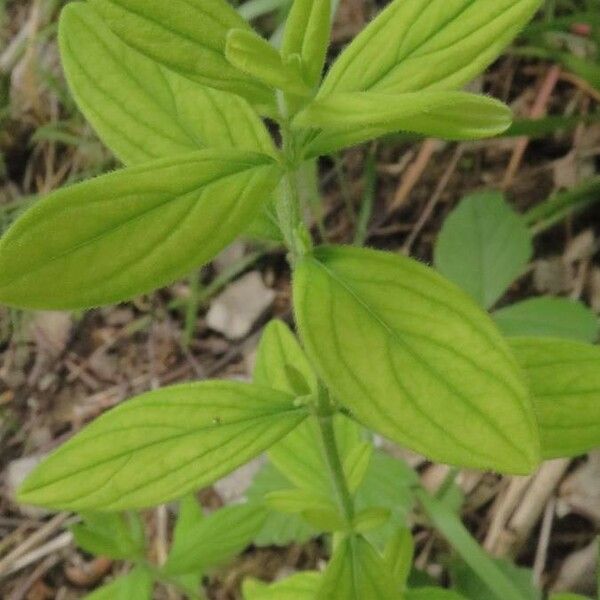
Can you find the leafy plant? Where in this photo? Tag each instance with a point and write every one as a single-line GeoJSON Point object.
{"type": "Point", "coordinates": [177, 90]}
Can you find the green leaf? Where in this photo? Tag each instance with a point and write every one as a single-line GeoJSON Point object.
{"type": "Point", "coordinates": [278, 529]}
{"type": "Point", "coordinates": [370, 518]}
{"type": "Point", "coordinates": [398, 555]}
{"type": "Point", "coordinates": [356, 572]}
{"type": "Point", "coordinates": [298, 456]}
{"type": "Point", "coordinates": [306, 34]}
{"type": "Point", "coordinates": [295, 501]}
{"type": "Point", "coordinates": [564, 378]}
{"type": "Point", "coordinates": [117, 536]}
{"type": "Point", "coordinates": [414, 358]}
{"type": "Point", "coordinates": [187, 36]}
{"type": "Point", "coordinates": [190, 514]}
{"type": "Point", "coordinates": [301, 586]}
{"type": "Point", "coordinates": [161, 445]}
{"type": "Point", "coordinates": [356, 464]}
{"type": "Point", "coordinates": [252, 54]}
{"type": "Point", "coordinates": [137, 585]}
{"type": "Point", "coordinates": [466, 581]}
{"type": "Point", "coordinates": [483, 246]}
{"type": "Point", "coordinates": [387, 483]}
{"type": "Point", "coordinates": [351, 118]}
{"type": "Point", "coordinates": [277, 351]}
{"type": "Point", "coordinates": [424, 45]}
{"type": "Point", "coordinates": [216, 539]}
{"type": "Point", "coordinates": [548, 317]}
{"type": "Point", "coordinates": [141, 110]}
{"type": "Point", "coordinates": [493, 578]}
{"type": "Point", "coordinates": [325, 519]}
{"type": "Point", "coordinates": [129, 232]}
{"type": "Point", "coordinates": [432, 593]}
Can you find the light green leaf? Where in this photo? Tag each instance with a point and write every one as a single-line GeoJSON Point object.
{"type": "Point", "coordinates": [252, 54]}
{"type": "Point", "coordinates": [189, 515]}
{"type": "Point", "coordinates": [216, 539]}
{"type": "Point", "coordinates": [161, 445]}
{"type": "Point", "coordinates": [356, 464]}
{"type": "Point", "coordinates": [129, 232]}
{"type": "Point", "coordinates": [141, 110]}
{"type": "Point", "coordinates": [277, 351]}
{"type": "Point", "coordinates": [302, 586]}
{"type": "Point", "coordinates": [432, 593]}
{"type": "Point", "coordinates": [414, 358]}
{"type": "Point", "coordinates": [356, 572]}
{"type": "Point", "coordinates": [351, 118]}
{"type": "Point", "coordinates": [398, 555]}
{"type": "Point", "coordinates": [327, 520]}
{"type": "Point", "coordinates": [494, 579]}
{"type": "Point", "coordinates": [278, 529]}
{"type": "Point", "coordinates": [548, 317]}
{"type": "Point", "coordinates": [425, 45]}
{"type": "Point", "coordinates": [564, 378]}
{"type": "Point", "coordinates": [387, 483]}
{"type": "Point", "coordinates": [137, 585]}
{"type": "Point", "coordinates": [370, 518]}
{"type": "Point", "coordinates": [187, 36]}
{"type": "Point", "coordinates": [306, 34]}
{"type": "Point", "coordinates": [119, 536]}
{"type": "Point", "coordinates": [298, 456]}
{"type": "Point", "coordinates": [483, 246]}
{"type": "Point", "coordinates": [295, 501]}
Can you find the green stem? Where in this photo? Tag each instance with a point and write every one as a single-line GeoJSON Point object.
{"type": "Point", "coordinates": [324, 417]}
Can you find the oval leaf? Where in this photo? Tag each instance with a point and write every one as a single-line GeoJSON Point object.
{"type": "Point", "coordinates": [187, 36]}
{"type": "Point", "coordinates": [161, 446]}
{"type": "Point", "coordinates": [129, 232]}
{"type": "Point", "coordinates": [415, 358]}
{"type": "Point", "coordinates": [141, 110]}
{"type": "Point", "coordinates": [564, 378]}
{"type": "Point", "coordinates": [442, 44]}
{"type": "Point", "coordinates": [483, 246]}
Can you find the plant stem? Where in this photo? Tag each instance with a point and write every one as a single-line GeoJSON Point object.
{"type": "Point", "coordinates": [324, 417]}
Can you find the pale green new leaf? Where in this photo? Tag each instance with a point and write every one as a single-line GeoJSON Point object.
{"type": "Point", "coordinates": [483, 246]}
{"type": "Point", "coordinates": [129, 232]}
{"type": "Point", "coordinates": [307, 31]}
{"type": "Point", "coordinates": [277, 351]}
{"type": "Point", "coordinates": [415, 358]}
{"type": "Point", "coordinates": [295, 500]}
{"type": "Point", "coordinates": [564, 378]}
{"type": "Point", "coordinates": [141, 110]}
{"type": "Point", "coordinates": [356, 464]}
{"type": "Point", "coordinates": [351, 118]}
{"type": "Point", "coordinates": [356, 572]}
{"type": "Point", "coordinates": [189, 515]}
{"type": "Point", "coordinates": [548, 317]}
{"type": "Point", "coordinates": [398, 555]}
{"type": "Point", "coordinates": [161, 445]}
{"type": "Point", "coordinates": [252, 54]}
{"type": "Point", "coordinates": [370, 518]}
{"type": "Point", "coordinates": [137, 585]}
{"type": "Point", "coordinates": [298, 456]}
{"type": "Point", "coordinates": [216, 539]}
{"type": "Point", "coordinates": [278, 529]}
{"type": "Point", "coordinates": [119, 536]}
{"type": "Point", "coordinates": [301, 586]}
{"type": "Point", "coordinates": [187, 36]}
{"type": "Point", "coordinates": [418, 45]}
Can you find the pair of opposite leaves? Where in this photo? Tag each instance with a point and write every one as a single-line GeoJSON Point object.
{"type": "Point", "coordinates": [409, 353]}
